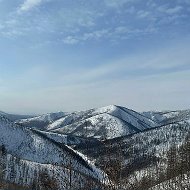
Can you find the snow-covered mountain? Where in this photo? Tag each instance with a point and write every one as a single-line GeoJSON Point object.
{"type": "Point", "coordinates": [14, 117]}
{"type": "Point", "coordinates": [130, 148]}
{"type": "Point", "coordinates": [41, 121]}
{"type": "Point", "coordinates": [145, 159]}
{"type": "Point", "coordinates": [34, 149]}
{"type": "Point", "coordinates": [167, 117]}
{"type": "Point", "coordinates": [70, 140]}
{"type": "Point", "coordinates": [102, 123]}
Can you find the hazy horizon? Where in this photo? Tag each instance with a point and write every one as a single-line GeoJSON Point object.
{"type": "Point", "coordinates": [87, 108]}
{"type": "Point", "coordinates": [60, 55]}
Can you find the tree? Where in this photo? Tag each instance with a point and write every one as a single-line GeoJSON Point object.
{"type": "Point", "coordinates": [47, 182]}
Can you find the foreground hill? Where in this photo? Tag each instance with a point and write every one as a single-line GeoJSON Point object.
{"type": "Point", "coordinates": [26, 149]}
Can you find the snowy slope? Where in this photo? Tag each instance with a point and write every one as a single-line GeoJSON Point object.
{"type": "Point", "coordinates": [166, 117]}
{"type": "Point", "coordinates": [33, 151]}
{"type": "Point", "coordinates": [14, 117]}
{"type": "Point", "coordinates": [25, 144]}
{"type": "Point", "coordinates": [143, 154]}
{"type": "Point", "coordinates": [39, 122]}
{"type": "Point", "coordinates": [66, 139]}
{"type": "Point", "coordinates": [30, 174]}
{"type": "Point", "coordinates": [107, 122]}
{"type": "Point", "coordinates": [180, 182]}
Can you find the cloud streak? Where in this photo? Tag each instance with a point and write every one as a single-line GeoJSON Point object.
{"type": "Point", "coordinates": [82, 23]}
{"type": "Point", "coordinates": [30, 4]}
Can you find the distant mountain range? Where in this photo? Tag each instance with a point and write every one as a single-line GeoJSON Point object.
{"type": "Point", "coordinates": [41, 121]}
{"type": "Point", "coordinates": [74, 146]}
{"type": "Point", "coordinates": [14, 117]}
{"type": "Point", "coordinates": [167, 117]}
{"type": "Point", "coordinates": [102, 123]}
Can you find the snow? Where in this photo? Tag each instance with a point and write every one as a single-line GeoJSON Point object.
{"type": "Point", "coordinates": [64, 139]}
{"type": "Point", "coordinates": [105, 109]}
{"type": "Point", "coordinates": [124, 121]}
{"type": "Point", "coordinates": [179, 182]}
{"type": "Point", "coordinates": [55, 124]}
{"type": "Point", "coordinates": [112, 125]}
{"type": "Point", "coordinates": [27, 173]}
{"type": "Point", "coordinates": [166, 117]}
{"type": "Point", "coordinates": [25, 144]}
{"type": "Point", "coordinates": [31, 151]}
{"type": "Point", "coordinates": [45, 117]}
{"type": "Point", "coordinates": [106, 122]}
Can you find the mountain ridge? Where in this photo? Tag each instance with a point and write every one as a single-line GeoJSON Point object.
{"type": "Point", "coordinates": [100, 122]}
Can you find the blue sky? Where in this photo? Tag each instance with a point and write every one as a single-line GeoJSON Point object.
{"type": "Point", "coordinates": [74, 55]}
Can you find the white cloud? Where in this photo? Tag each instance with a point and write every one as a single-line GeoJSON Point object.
{"type": "Point", "coordinates": [29, 4]}
{"type": "Point", "coordinates": [174, 10]}
{"type": "Point", "coordinates": [87, 36]}
{"type": "Point", "coordinates": [170, 10]}
{"type": "Point", "coordinates": [83, 22]}
{"type": "Point", "coordinates": [150, 63]}
{"type": "Point", "coordinates": [1, 26]}
{"type": "Point", "coordinates": [143, 14]}
{"type": "Point", "coordinates": [96, 34]}
{"type": "Point", "coordinates": [70, 40]}
{"type": "Point", "coordinates": [111, 34]}
{"type": "Point", "coordinates": [116, 3]}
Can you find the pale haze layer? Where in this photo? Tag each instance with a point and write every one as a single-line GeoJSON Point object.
{"type": "Point", "coordinates": [74, 55]}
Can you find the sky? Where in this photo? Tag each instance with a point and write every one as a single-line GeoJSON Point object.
{"type": "Point", "coordinates": [67, 55]}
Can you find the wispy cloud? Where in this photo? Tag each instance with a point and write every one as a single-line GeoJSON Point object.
{"type": "Point", "coordinates": [70, 40]}
{"type": "Point", "coordinates": [116, 3]}
{"type": "Point", "coordinates": [170, 10]}
{"type": "Point", "coordinates": [94, 35]}
{"type": "Point", "coordinates": [83, 22]}
{"type": "Point", "coordinates": [151, 63]}
{"type": "Point", "coordinates": [143, 14]}
{"type": "Point", "coordinates": [111, 34]}
{"type": "Point", "coordinates": [29, 4]}
{"type": "Point", "coordinates": [174, 10]}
